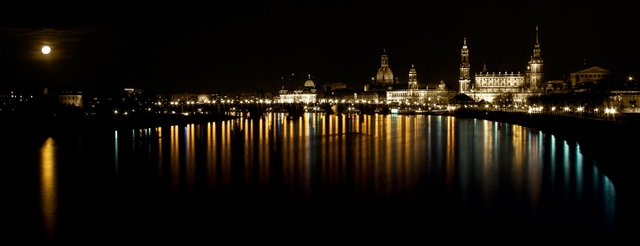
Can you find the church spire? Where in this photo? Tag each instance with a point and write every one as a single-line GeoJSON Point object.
{"type": "Point", "coordinates": [536, 48]}
{"type": "Point", "coordinates": [384, 60]}
{"type": "Point", "coordinates": [535, 71]}
{"type": "Point", "coordinates": [465, 68]}
{"type": "Point", "coordinates": [464, 54]}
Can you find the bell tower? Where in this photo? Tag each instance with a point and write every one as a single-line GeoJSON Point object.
{"type": "Point", "coordinates": [465, 68]}
{"type": "Point", "coordinates": [534, 70]}
{"type": "Point", "coordinates": [413, 78]}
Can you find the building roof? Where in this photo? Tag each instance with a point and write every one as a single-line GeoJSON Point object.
{"type": "Point", "coordinates": [309, 83]}
{"type": "Point", "coordinates": [593, 69]}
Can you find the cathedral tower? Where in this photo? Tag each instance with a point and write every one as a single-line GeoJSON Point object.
{"type": "Point", "coordinates": [534, 70]}
{"type": "Point", "coordinates": [413, 78]}
{"type": "Point", "coordinates": [465, 68]}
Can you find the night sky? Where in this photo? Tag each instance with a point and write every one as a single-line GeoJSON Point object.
{"type": "Point", "coordinates": [245, 46]}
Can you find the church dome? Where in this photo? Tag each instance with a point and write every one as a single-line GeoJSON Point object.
{"type": "Point", "coordinates": [309, 83]}
{"type": "Point", "coordinates": [384, 75]}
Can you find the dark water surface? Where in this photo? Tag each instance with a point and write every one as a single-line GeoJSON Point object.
{"type": "Point", "coordinates": [316, 178]}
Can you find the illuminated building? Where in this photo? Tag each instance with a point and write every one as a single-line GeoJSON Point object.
{"type": "Point", "coordinates": [465, 68]}
{"type": "Point", "coordinates": [384, 75]}
{"type": "Point", "coordinates": [70, 98]}
{"type": "Point", "coordinates": [488, 85]}
{"type": "Point", "coordinates": [305, 95]}
{"type": "Point", "coordinates": [415, 95]}
{"type": "Point", "coordinates": [413, 78]}
{"type": "Point", "coordinates": [534, 70]}
{"type": "Point", "coordinates": [191, 97]}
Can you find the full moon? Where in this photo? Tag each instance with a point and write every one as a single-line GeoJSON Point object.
{"type": "Point", "coordinates": [46, 50]}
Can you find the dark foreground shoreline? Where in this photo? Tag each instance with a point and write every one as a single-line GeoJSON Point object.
{"type": "Point", "coordinates": [614, 145]}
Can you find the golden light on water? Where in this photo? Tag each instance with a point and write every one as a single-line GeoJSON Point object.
{"type": "Point", "coordinates": [174, 156]}
{"type": "Point", "coordinates": [48, 192]}
{"type": "Point", "coordinates": [377, 154]}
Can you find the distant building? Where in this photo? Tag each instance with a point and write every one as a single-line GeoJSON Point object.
{"type": "Point", "coordinates": [625, 100]}
{"type": "Point", "coordinates": [362, 96]}
{"type": "Point", "coordinates": [309, 85]}
{"type": "Point", "coordinates": [132, 94]}
{"type": "Point", "coordinates": [588, 76]}
{"type": "Point", "coordinates": [305, 95]}
{"type": "Point", "coordinates": [384, 75]}
{"type": "Point", "coordinates": [465, 69]}
{"type": "Point", "coordinates": [191, 97]}
{"type": "Point", "coordinates": [413, 78]}
{"type": "Point", "coordinates": [132, 91]}
{"type": "Point", "coordinates": [71, 98]}
{"type": "Point", "coordinates": [334, 86]}
{"type": "Point", "coordinates": [415, 95]}
{"type": "Point", "coordinates": [13, 96]}
{"type": "Point", "coordinates": [499, 82]}
{"type": "Point", "coordinates": [555, 86]}
{"type": "Point", "coordinates": [419, 96]}
{"type": "Point", "coordinates": [488, 85]}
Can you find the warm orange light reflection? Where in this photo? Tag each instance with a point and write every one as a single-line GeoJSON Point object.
{"type": "Point", "coordinates": [48, 191]}
{"type": "Point", "coordinates": [174, 157]}
{"type": "Point", "coordinates": [190, 155]}
{"type": "Point", "coordinates": [519, 140]}
{"type": "Point", "coordinates": [376, 154]}
{"type": "Point", "coordinates": [225, 153]}
{"type": "Point", "coordinates": [248, 168]}
{"type": "Point", "coordinates": [160, 162]}
{"type": "Point", "coordinates": [451, 148]}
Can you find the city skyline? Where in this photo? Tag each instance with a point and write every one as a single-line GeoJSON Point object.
{"type": "Point", "coordinates": [254, 46]}
{"type": "Point", "coordinates": [168, 122]}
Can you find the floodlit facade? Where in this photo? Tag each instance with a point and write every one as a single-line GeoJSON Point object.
{"type": "Point", "coordinates": [499, 82]}
{"type": "Point", "coordinates": [71, 98]}
{"type": "Point", "coordinates": [415, 95]}
{"type": "Point", "coordinates": [306, 95]}
{"type": "Point", "coordinates": [488, 85]}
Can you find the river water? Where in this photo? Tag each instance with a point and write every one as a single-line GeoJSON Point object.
{"type": "Point", "coordinates": [313, 178]}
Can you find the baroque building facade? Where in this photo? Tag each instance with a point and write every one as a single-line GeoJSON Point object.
{"type": "Point", "coordinates": [413, 94]}
{"type": "Point", "coordinates": [487, 85]}
{"type": "Point", "coordinates": [307, 94]}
